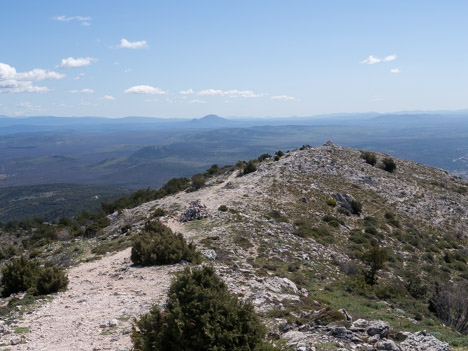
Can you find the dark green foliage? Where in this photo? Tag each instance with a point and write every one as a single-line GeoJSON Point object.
{"type": "Point", "coordinates": [279, 153]}
{"type": "Point", "coordinates": [159, 212]}
{"type": "Point", "coordinates": [329, 315]}
{"type": "Point", "coordinates": [306, 230]}
{"type": "Point", "coordinates": [356, 207]}
{"type": "Point", "coordinates": [200, 315]}
{"type": "Point", "coordinates": [374, 258]}
{"type": "Point", "coordinates": [277, 216]}
{"type": "Point", "coordinates": [263, 157]}
{"type": "Point", "coordinates": [389, 165]}
{"type": "Point", "coordinates": [415, 286]}
{"type": "Point", "coordinates": [198, 181]}
{"type": "Point", "coordinates": [249, 168]}
{"type": "Point", "coordinates": [23, 274]}
{"type": "Point", "coordinates": [212, 170]}
{"type": "Point", "coordinates": [222, 208]}
{"type": "Point", "coordinates": [369, 157]}
{"type": "Point", "coordinates": [158, 245]}
{"type": "Point", "coordinates": [332, 221]}
{"type": "Point", "coordinates": [141, 196]}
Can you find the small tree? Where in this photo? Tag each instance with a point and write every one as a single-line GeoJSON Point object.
{"type": "Point", "coordinates": [356, 207]}
{"type": "Point", "coordinates": [374, 258]}
{"type": "Point", "coordinates": [200, 315]}
{"type": "Point", "coordinates": [389, 165]}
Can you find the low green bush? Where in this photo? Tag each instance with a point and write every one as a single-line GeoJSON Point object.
{"type": "Point", "coordinates": [158, 245]}
{"type": "Point", "coordinates": [23, 274]}
{"type": "Point", "coordinates": [389, 165]}
{"type": "Point", "coordinates": [249, 168]}
{"type": "Point", "coordinates": [200, 315]}
{"type": "Point", "coordinates": [369, 157]}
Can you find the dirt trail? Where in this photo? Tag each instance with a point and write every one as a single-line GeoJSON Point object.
{"type": "Point", "coordinates": [108, 290]}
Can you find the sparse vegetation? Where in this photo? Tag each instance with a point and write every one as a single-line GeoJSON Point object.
{"type": "Point", "coordinates": [23, 274]}
{"type": "Point", "coordinates": [369, 157]}
{"type": "Point", "coordinates": [200, 315]}
{"type": "Point", "coordinates": [249, 168]}
{"type": "Point", "coordinates": [389, 164]}
{"type": "Point", "coordinates": [158, 245]}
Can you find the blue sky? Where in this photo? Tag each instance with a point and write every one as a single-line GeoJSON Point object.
{"type": "Point", "coordinates": [232, 58]}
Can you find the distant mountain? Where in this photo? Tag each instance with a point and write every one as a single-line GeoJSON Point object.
{"type": "Point", "coordinates": [211, 121]}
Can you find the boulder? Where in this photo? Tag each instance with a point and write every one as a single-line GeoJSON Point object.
{"type": "Point", "coordinates": [196, 210]}
{"type": "Point", "coordinates": [378, 328]}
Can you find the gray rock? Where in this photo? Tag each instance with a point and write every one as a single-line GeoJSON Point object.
{"type": "Point", "coordinates": [423, 341]}
{"type": "Point", "coordinates": [195, 211]}
{"type": "Point", "coordinates": [378, 327]}
{"type": "Point", "coordinates": [209, 254]}
{"type": "Point", "coordinates": [387, 345]}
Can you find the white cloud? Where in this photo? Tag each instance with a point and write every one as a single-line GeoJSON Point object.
{"type": "Point", "coordinates": [124, 43]}
{"type": "Point", "coordinates": [108, 97]}
{"type": "Point", "coordinates": [187, 92]}
{"type": "Point", "coordinates": [197, 101]}
{"type": "Point", "coordinates": [395, 70]}
{"type": "Point", "coordinates": [12, 81]}
{"type": "Point", "coordinates": [390, 58]}
{"type": "Point", "coordinates": [283, 97]}
{"type": "Point", "coordinates": [85, 21]}
{"type": "Point", "coordinates": [372, 60]}
{"type": "Point", "coordinates": [229, 93]}
{"type": "Point", "coordinates": [127, 70]}
{"type": "Point", "coordinates": [79, 76]}
{"type": "Point", "coordinates": [144, 89]}
{"type": "Point", "coordinates": [84, 91]}
{"type": "Point", "coordinates": [71, 62]}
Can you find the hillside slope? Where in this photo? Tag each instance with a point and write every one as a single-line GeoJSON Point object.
{"type": "Point", "coordinates": [290, 237]}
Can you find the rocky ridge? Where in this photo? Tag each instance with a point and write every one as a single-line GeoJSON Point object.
{"type": "Point", "coordinates": [255, 248]}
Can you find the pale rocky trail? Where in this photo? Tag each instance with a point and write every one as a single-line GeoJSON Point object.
{"type": "Point", "coordinates": [96, 311]}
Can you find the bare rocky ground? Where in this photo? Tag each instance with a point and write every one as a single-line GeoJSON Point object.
{"type": "Point", "coordinates": [95, 312]}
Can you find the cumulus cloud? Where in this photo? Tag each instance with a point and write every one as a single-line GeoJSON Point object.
{"type": "Point", "coordinates": [85, 21]}
{"type": "Point", "coordinates": [108, 97]}
{"type": "Point", "coordinates": [283, 97]}
{"type": "Point", "coordinates": [12, 81]}
{"type": "Point", "coordinates": [71, 62]}
{"type": "Point", "coordinates": [395, 70]}
{"type": "Point", "coordinates": [197, 101]}
{"type": "Point", "coordinates": [124, 43]}
{"type": "Point", "coordinates": [372, 60]}
{"type": "Point", "coordinates": [84, 91]}
{"type": "Point", "coordinates": [144, 89]}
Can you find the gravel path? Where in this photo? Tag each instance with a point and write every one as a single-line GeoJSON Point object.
{"type": "Point", "coordinates": [96, 311]}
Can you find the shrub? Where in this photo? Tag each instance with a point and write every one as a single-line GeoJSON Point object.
{"type": "Point", "coordinates": [222, 208]}
{"type": "Point", "coordinates": [356, 207]}
{"type": "Point", "coordinates": [332, 221]}
{"type": "Point", "coordinates": [329, 315]}
{"type": "Point", "coordinates": [158, 245]}
{"type": "Point", "coordinates": [374, 258]}
{"type": "Point", "coordinates": [389, 165]}
{"type": "Point", "coordinates": [212, 170]}
{"type": "Point", "coordinates": [369, 157]}
{"type": "Point", "coordinates": [263, 157]}
{"type": "Point", "coordinates": [23, 274]}
{"type": "Point", "coordinates": [249, 168]}
{"type": "Point", "coordinates": [198, 181]}
{"type": "Point", "coordinates": [331, 203]}
{"type": "Point", "coordinates": [200, 314]}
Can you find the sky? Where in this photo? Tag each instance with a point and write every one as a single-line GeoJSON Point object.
{"type": "Point", "coordinates": [251, 58]}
